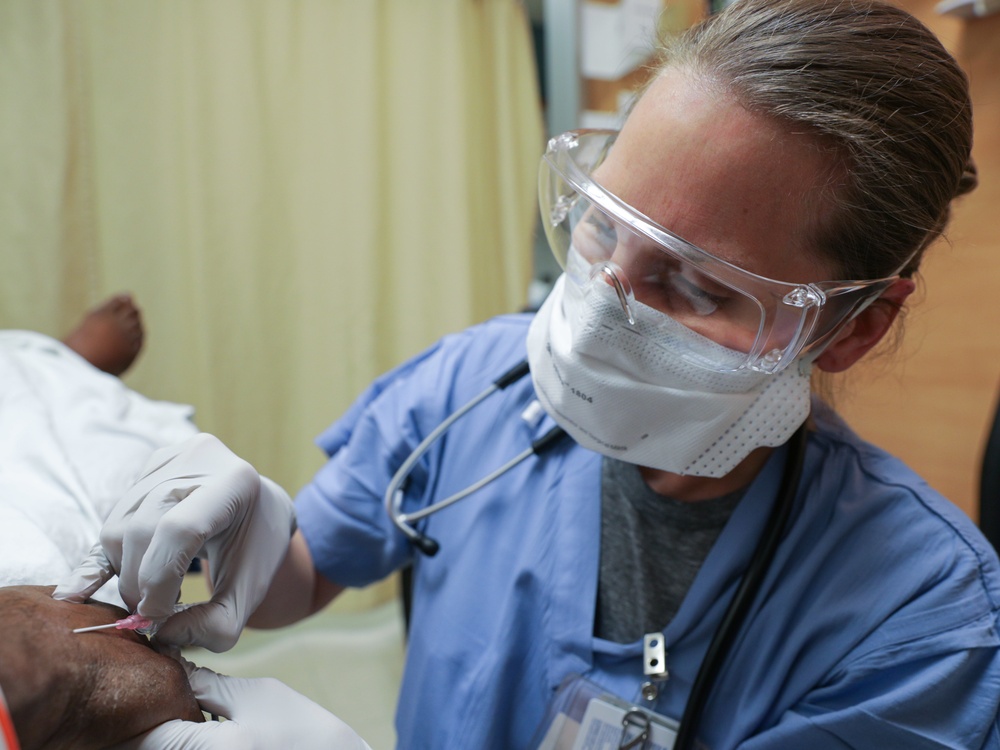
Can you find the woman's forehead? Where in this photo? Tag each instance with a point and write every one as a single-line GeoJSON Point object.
{"type": "Point", "coordinates": [738, 184]}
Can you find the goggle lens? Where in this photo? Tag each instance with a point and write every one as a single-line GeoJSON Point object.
{"type": "Point", "coordinates": [664, 282]}
{"type": "Point", "coordinates": [744, 320]}
{"type": "Point", "coordinates": [585, 240]}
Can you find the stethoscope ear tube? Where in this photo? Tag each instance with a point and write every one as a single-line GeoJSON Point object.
{"type": "Point", "coordinates": [745, 594]}
{"type": "Point", "coordinates": [547, 440]}
{"type": "Point", "coordinates": [425, 544]}
{"type": "Point", "coordinates": [512, 375]}
{"type": "Point", "coordinates": [394, 492]}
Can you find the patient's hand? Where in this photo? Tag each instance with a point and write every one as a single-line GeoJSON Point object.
{"type": "Point", "coordinates": [86, 690]}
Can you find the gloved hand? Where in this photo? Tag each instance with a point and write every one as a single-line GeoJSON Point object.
{"type": "Point", "coordinates": [263, 714]}
{"type": "Point", "coordinates": [195, 498]}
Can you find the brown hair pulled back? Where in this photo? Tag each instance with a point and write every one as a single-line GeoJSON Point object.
{"type": "Point", "coordinates": [875, 85]}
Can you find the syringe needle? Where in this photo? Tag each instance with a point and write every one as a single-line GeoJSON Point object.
{"type": "Point", "coordinates": [96, 627]}
{"type": "Point", "coordinates": [132, 622]}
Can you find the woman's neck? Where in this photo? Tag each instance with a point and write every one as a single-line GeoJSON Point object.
{"type": "Point", "coordinates": [693, 489]}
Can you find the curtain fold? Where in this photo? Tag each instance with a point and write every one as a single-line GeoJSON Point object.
{"type": "Point", "coordinates": [299, 194]}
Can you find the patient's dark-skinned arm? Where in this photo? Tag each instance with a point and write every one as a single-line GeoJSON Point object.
{"type": "Point", "coordinates": [86, 690]}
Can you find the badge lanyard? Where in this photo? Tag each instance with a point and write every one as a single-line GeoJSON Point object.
{"type": "Point", "coordinates": [750, 584]}
{"type": "Point", "coordinates": [584, 716]}
{"type": "Point", "coordinates": [654, 668]}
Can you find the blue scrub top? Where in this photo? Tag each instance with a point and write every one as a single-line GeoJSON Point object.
{"type": "Point", "coordinates": [876, 626]}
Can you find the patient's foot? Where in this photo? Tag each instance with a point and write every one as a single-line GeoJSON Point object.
{"type": "Point", "coordinates": [110, 335]}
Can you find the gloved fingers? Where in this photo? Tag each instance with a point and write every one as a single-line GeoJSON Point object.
{"type": "Point", "coordinates": [188, 735]}
{"type": "Point", "coordinates": [133, 520]}
{"type": "Point", "coordinates": [165, 535]}
{"type": "Point", "coordinates": [134, 538]}
{"type": "Point", "coordinates": [249, 699]}
{"type": "Point", "coordinates": [242, 566]}
{"type": "Point", "coordinates": [198, 498]}
{"type": "Point", "coordinates": [89, 575]}
{"type": "Point", "coordinates": [245, 564]}
{"type": "Point", "coordinates": [162, 457]}
{"type": "Point", "coordinates": [177, 655]}
{"type": "Point", "coordinates": [174, 652]}
{"type": "Point", "coordinates": [213, 692]}
{"type": "Point", "coordinates": [271, 713]}
{"type": "Point", "coordinates": [192, 457]}
{"type": "Point", "coordinates": [111, 537]}
{"type": "Point", "coordinates": [235, 698]}
{"type": "Point", "coordinates": [214, 625]}
{"type": "Point", "coordinates": [150, 477]}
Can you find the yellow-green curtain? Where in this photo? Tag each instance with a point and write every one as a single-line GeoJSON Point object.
{"type": "Point", "coordinates": [300, 193]}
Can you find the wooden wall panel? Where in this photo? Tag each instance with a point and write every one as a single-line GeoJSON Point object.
{"type": "Point", "coordinates": [932, 401]}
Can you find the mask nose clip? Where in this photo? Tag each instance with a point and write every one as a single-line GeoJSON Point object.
{"type": "Point", "coordinates": [615, 276]}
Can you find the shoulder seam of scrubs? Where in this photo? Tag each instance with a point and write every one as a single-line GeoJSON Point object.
{"type": "Point", "coordinates": [864, 457]}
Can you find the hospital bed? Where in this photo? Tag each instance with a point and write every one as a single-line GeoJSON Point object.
{"type": "Point", "coordinates": [72, 440]}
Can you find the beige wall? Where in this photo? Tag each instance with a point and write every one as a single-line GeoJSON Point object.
{"type": "Point", "coordinates": [931, 402]}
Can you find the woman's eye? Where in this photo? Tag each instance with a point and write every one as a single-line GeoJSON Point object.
{"type": "Point", "coordinates": [700, 300]}
{"type": "Point", "coordinates": [604, 231]}
{"type": "Point", "coordinates": [594, 239]}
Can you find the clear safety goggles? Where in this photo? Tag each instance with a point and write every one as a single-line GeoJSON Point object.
{"type": "Point", "coordinates": [743, 321]}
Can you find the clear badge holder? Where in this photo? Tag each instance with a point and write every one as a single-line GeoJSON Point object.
{"type": "Point", "coordinates": [585, 716]}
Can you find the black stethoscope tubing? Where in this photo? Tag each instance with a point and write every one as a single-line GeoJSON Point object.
{"type": "Point", "coordinates": [397, 485]}
{"type": "Point", "coordinates": [750, 584]}
{"type": "Point", "coordinates": [746, 592]}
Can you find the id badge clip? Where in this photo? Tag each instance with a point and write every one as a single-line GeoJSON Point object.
{"type": "Point", "coordinates": [654, 666]}
{"type": "Point", "coordinates": [584, 716]}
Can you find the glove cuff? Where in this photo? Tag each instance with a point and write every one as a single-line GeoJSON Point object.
{"type": "Point", "coordinates": [278, 494]}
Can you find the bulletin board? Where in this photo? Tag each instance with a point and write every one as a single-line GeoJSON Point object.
{"type": "Point", "coordinates": [617, 38]}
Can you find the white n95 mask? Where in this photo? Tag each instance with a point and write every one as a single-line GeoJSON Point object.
{"type": "Point", "coordinates": [624, 391]}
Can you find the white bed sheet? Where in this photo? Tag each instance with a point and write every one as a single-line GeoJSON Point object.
{"type": "Point", "coordinates": [72, 440]}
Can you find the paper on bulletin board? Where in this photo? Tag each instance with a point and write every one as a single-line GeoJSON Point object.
{"type": "Point", "coordinates": [616, 39]}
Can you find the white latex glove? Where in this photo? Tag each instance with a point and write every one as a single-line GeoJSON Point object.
{"type": "Point", "coordinates": [263, 714]}
{"type": "Point", "coordinates": [195, 498]}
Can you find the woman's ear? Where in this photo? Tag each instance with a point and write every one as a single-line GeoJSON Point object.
{"type": "Point", "coordinates": [866, 330]}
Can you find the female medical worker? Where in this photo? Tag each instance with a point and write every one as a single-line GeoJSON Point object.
{"type": "Point", "coordinates": [788, 142]}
